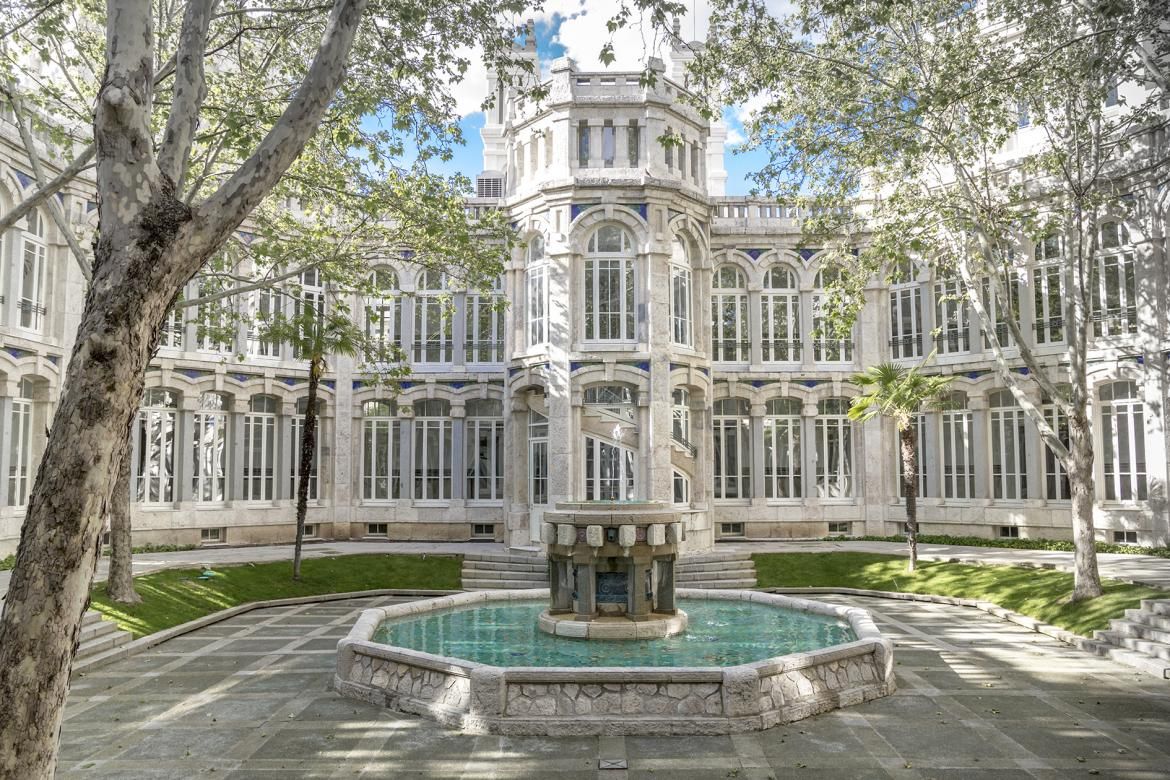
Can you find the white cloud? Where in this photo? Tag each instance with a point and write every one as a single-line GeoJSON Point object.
{"type": "Point", "coordinates": [734, 136]}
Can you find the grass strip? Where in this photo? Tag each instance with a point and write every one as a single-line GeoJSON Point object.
{"type": "Point", "coordinates": [1039, 593]}
{"type": "Point", "coordinates": [1059, 545]}
{"type": "Point", "coordinates": [174, 596]}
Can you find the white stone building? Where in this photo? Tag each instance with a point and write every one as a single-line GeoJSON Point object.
{"type": "Point", "coordinates": [658, 345]}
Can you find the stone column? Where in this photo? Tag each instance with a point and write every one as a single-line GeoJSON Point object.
{"type": "Point", "coordinates": [184, 458]}
{"type": "Point", "coordinates": [660, 417]}
{"type": "Point", "coordinates": [757, 427]}
{"type": "Point", "coordinates": [236, 461]}
{"type": "Point", "coordinates": [458, 459]}
{"type": "Point", "coordinates": [563, 432]}
{"type": "Point", "coordinates": [1034, 451]}
{"type": "Point", "coordinates": [459, 334]}
{"type": "Point", "coordinates": [665, 597]}
{"type": "Point", "coordinates": [6, 437]}
{"type": "Point", "coordinates": [287, 453]}
{"type": "Point", "coordinates": [755, 332]}
{"type": "Point", "coordinates": [586, 590]}
{"type": "Point", "coordinates": [808, 450]}
{"type": "Point", "coordinates": [406, 452]}
{"type": "Point", "coordinates": [980, 454]}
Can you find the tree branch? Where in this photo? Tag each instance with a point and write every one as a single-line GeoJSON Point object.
{"type": "Point", "coordinates": [68, 174]}
{"type": "Point", "coordinates": [190, 89]}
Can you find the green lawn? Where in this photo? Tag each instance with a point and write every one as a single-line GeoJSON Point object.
{"type": "Point", "coordinates": [1039, 593]}
{"type": "Point", "coordinates": [174, 596]}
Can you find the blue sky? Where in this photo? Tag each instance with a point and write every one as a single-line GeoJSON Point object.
{"type": "Point", "coordinates": [564, 23]}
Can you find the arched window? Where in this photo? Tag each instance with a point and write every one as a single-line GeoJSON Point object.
{"type": "Point", "coordinates": [432, 323]}
{"type": "Point", "coordinates": [733, 448]}
{"type": "Point", "coordinates": [1009, 459]}
{"type": "Point", "coordinates": [1048, 290]}
{"type": "Point", "coordinates": [298, 432]}
{"type": "Point", "coordinates": [537, 296]}
{"type": "Point", "coordinates": [958, 448]}
{"type": "Point", "coordinates": [609, 285]}
{"type": "Point", "coordinates": [384, 310]}
{"type": "Point", "coordinates": [782, 448]}
{"type": "Point", "coordinates": [484, 432]}
{"type": "Point", "coordinates": [20, 447]}
{"type": "Point", "coordinates": [32, 272]}
{"type": "Point", "coordinates": [730, 336]}
{"type": "Point", "coordinates": [827, 349]}
{"type": "Point", "coordinates": [780, 316]}
{"type": "Point", "coordinates": [537, 458]}
{"type": "Point", "coordinates": [680, 296]}
{"type": "Point", "coordinates": [485, 325]}
{"type": "Point", "coordinates": [905, 313]}
{"type": "Point", "coordinates": [381, 472]}
{"type": "Point", "coordinates": [432, 450]}
{"type": "Point", "coordinates": [681, 414]}
{"type": "Point", "coordinates": [1123, 440]}
{"type": "Point", "coordinates": [260, 448]}
{"type": "Point", "coordinates": [209, 439]}
{"type": "Point", "coordinates": [834, 437]}
{"type": "Point", "coordinates": [155, 482]}
{"type": "Point", "coordinates": [1113, 284]}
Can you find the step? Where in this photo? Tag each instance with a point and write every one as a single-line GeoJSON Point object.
{"type": "Point", "coordinates": [729, 584]}
{"type": "Point", "coordinates": [499, 566]}
{"type": "Point", "coordinates": [103, 658]}
{"type": "Point", "coordinates": [1148, 618]}
{"type": "Point", "coordinates": [715, 557]}
{"type": "Point", "coordinates": [716, 567]}
{"type": "Point", "coordinates": [95, 630]}
{"type": "Point", "coordinates": [1140, 630]}
{"type": "Point", "coordinates": [711, 576]}
{"type": "Point", "coordinates": [502, 584]}
{"type": "Point", "coordinates": [1156, 606]}
{"type": "Point", "coordinates": [1147, 647]}
{"type": "Point", "coordinates": [106, 642]}
{"type": "Point", "coordinates": [1106, 649]}
{"type": "Point", "coordinates": [505, 557]}
{"type": "Point", "coordinates": [89, 617]}
{"type": "Point", "coordinates": [533, 576]}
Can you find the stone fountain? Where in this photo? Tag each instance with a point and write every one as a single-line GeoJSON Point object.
{"type": "Point", "coordinates": [611, 570]}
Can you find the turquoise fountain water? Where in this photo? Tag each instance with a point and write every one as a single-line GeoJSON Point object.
{"type": "Point", "coordinates": [721, 633]}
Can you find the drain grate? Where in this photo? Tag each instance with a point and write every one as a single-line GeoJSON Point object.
{"type": "Point", "coordinates": [613, 763]}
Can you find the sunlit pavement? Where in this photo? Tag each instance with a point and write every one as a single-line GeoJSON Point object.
{"type": "Point", "coordinates": [977, 696]}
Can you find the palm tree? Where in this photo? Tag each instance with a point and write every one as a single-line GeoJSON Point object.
{"type": "Point", "coordinates": [900, 393]}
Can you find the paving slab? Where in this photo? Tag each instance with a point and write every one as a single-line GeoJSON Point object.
{"type": "Point", "coordinates": [978, 698]}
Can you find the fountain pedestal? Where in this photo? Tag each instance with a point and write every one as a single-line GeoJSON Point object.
{"type": "Point", "coordinates": [611, 570]}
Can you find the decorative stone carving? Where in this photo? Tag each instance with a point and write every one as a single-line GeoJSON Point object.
{"type": "Point", "coordinates": [594, 536]}
{"type": "Point", "coordinates": [656, 535]}
{"type": "Point", "coordinates": [566, 534]}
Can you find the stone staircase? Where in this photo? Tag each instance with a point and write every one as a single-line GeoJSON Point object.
{"type": "Point", "coordinates": [1141, 639]}
{"type": "Point", "coordinates": [509, 570]}
{"type": "Point", "coordinates": [101, 642]}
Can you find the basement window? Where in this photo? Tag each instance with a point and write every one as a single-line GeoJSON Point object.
{"type": "Point", "coordinates": [376, 529]}
{"type": "Point", "coordinates": [1009, 532]}
{"type": "Point", "coordinates": [483, 531]}
{"type": "Point", "coordinates": [1125, 537]}
{"type": "Point", "coordinates": [730, 529]}
{"type": "Point", "coordinates": [212, 535]}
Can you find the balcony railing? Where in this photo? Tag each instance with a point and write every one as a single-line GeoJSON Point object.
{"type": "Point", "coordinates": [906, 346]}
{"type": "Point", "coordinates": [678, 439]}
{"type": "Point", "coordinates": [782, 350]}
{"type": "Point", "coordinates": [953, 341]}
{"type": "Point", "coordinates": [484, 351]}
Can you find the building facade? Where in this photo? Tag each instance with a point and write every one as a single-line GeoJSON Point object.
{"type": "Point", "coordinates": [662, 341]}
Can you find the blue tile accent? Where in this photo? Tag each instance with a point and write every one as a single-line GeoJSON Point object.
{"type": "Point", "coordinates": [247, 237]}
{"type": "Point", "coordinates": [330, 383]}
{"type": "Point", "coordinates": [706, 371]}
{"type": "Point", "coordinates": [90, 205]}
{"type": "Point", "coordinates": [54, 359]}
{"type": "Point", "coordinates": [806, 253]}
{"type": "Point", "coordinates": [575, 366]}
{"type": "Point", "coordinates": [638, 208]}
{"type": "Point", "coordinates": [16, 353]}
{"type": "Point", "coordinates": [61, 197]}
{"type": "Point", "coordinates": [810, 383]}
{"type": "Point", "coordinates": [754, 254]}
{"type": "Point", "coordinates": [406, 254]}
{"type": "Point", "coordinates": [757, 383]}
{"type": "Point", "coordinates": [289, 380]}
{"type": "Point", "coordinates": [457, 385]}
{"type": "Point", "coordinates": [574, 211]}
{"type": "Point", "coordinates": [241, 378]}
{"type": "Point", "coordinates": [673, 366]}
{"type": "Point", "coordinates": [23, 178]}
{"type": "Point", "coordinates": [1022, 370]}
{"type": "Point", "coordinates": [972, 374]}
{"type": "Point", "coordinates": [514, 370]}
{"type": "Point", "coordinates": [357, 384]}
{"type": "Point", "coordinates": [1141, 360]}
{"type": "Point", "coordinates": [406, 385]}
{"type": "Point", "coordinates": [643, 365]}
{"type": "Point", "coordinates": [192, 373]}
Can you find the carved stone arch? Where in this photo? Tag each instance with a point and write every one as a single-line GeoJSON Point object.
{"type": "Point", "coordinates": [780, 259]}
{"type": "Point", "coordinates": [738, 260]}
{"type": "Point", "coordinates": [1121, 371]}
{"type": "Point", "coordinates": [11, 193]}
{"type": "Point", "coordinates": [697, 384]}
{"type": "Point", "coordinates": [590, 220]}
{"type": "Point", "coordinates": [685, 228]}
{"type": "Point", "coordinates": [622, 375]}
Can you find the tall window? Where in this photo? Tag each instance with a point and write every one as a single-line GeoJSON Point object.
{"type": "Point", "coordinates": [958, 449]}
{"type": "Point", "coordinates": [298, 434]}
{"type": "Point", "coordinates": [681, 415]}
{"type": "Point", "coordinates": [733, 448]}
{"type": "Point", "coordinates": [209, 440]}
{"type": "Point", "coordinates": [680, 296]}
{"type": "Point", "coordinates": [260, 449]}
{"type": "Point", "coordinates": [267, 305]}
{"type": "Point", "coordinates": [432, 325]}
{"type": "Point", "coordinates": [384, 310]}
{"type": "Point", "coordinates": [834, 435]}
{"type": "Point", "coordinates": [1113, 284]}
{"type": "Point", "coordinates": [730, 339]}
{"type": "Point", "coordinates": [583, 143]}
{"type": "Point", "coordinates": [1123, 440]}
{"type": "Point", "coordinates": [1001, 310]}
{"type": "Point", "coordinates": [919, 423]}
{"type": "Point", "coordinates": [484, 433]}
{"type": "Point", "coordinates": [681, 485]}
{"type": "Point", "coordinates": [609, 285]}
{"type": "Point", "coordinates": [1048, 291]}
{"type": "Point", "coordinates": [485, 325]}
{"type": "Point", "coordinates": [156, 446]}
{"type": "Point", "coordinates": [950, 318]}
{"type": "Point", "coordinates": [1009, 470]}
{"type": "Point", "coordinates": [537, 300]}
{"type": "Point", "coordinates": [905, 314]}
{"type": "Point", "coordinates": [827, 349]}
{"type": "Point", "coordinates": [609, 471]}
{"type": "Point", "coordinates": [780, 316]}
{"type": "Point", "coordinates": [432, 450]}
{"type": "Point", "coordinates": [537, 458]}
{"type": "Point", "coordinates": [20, 446]}
{"type": "Point", "coordinates": [782, 448]}
{"type": "Point", "coordinates": [381, 471]}
{"type": "Point", "coordinates": [32, 272]}
{"type": "Point", "coordinates": [1055, 479]}
{"type": "Point", "coordinates": [173, 328]}
{"type": "Point", "coordinates": [214, 318]}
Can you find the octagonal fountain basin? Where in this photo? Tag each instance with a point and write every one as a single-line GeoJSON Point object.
{"type": "Point", "coordinates": [748, 661]}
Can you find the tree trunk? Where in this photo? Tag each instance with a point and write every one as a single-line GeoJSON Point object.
{"type": "Point", "coordinates": [308, 451]}
{"type": "Point", "coordinates": [910, 486]}
{"type": "Point", "coordinates": [1086, 578]}
{"type": "Point", "coordinates": [120, 583]}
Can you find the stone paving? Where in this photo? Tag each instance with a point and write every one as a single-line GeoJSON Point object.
{"type": "Point", "coordinates": [978, 697]}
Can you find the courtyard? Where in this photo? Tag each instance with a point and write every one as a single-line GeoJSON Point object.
{"type": "Point", "coordinates": [977, 697]}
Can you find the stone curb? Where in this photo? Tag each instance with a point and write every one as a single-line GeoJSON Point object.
{"type": "Point", "coordinates": [157, 638]}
